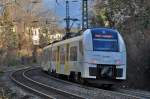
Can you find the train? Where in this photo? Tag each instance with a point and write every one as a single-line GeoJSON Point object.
{"type": "Point", "coordinates": [98, 54]}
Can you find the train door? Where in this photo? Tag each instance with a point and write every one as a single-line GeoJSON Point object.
{"type": "Point", "coordinates": [43, 63]}
{"type": "Point", "coordinates": [46, 60]}
{"type": "Point", "coordinates": [67, 60]}
{"type": "Point", "coordinates": [73, 57]}
{"type": "Point", "coordinates": [58, 69]}
{"type": "Point", "coordinates": [80, 56]}
{"type": "Point", "coordinates": [53, 59]}
{"type": "Point", "coordinates": [62, 59]}
{"type": "Point", "coordinates": [50, 58]}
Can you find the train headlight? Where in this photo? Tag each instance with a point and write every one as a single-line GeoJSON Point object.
{"type": "Point", "coordinates": [118, 61]}
{"type": "Point", "coordinates": [93, 62]}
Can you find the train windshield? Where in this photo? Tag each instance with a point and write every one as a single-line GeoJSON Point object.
{"type": "Point", "coordinates": [105, 41]}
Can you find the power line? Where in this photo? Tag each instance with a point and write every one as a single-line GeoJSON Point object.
{"type": "Point", "coordinates": [68, 19]}
{"type": "Point", "coordinates": [84, 14]}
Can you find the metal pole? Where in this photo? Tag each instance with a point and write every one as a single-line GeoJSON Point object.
{"type": "Point", "coordinates": [67, 18]}
{"type": "Point", "coordinates": [84, 14]}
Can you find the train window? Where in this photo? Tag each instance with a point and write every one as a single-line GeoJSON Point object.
{"type": "Point", "coordinates": [44, 56]}
{"type": "Point", "coordinates": [81, 47]}
{"type": "Point", "coordinates": [105, 45]}
{"type": "Point", "coordinates": [54, 52]}
{"type": "Point", "coordinates": [67, 52]}
{"type": "Point", "coordinates": [105, 41]}
{"type": "Point", "coordinates": [47, 54]}
{"type": "Point", "coordinates": [50, 54]}
{"type": "Point", "coordinates": [62, 55]}
{"type": "Point", "coordinates": [73, 53]}
{"type": "Point", "coordinates": [57, 53]}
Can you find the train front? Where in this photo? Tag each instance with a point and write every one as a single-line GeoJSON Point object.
{"type": "Point", "coordinates": [104, 54]}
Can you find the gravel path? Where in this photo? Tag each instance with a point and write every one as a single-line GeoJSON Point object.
{"type": "Point", "coordinates": [11, 90]}
{"type": "Point", "coordinates": [87, 92]}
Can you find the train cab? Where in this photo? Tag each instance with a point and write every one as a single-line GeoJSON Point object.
{"type": "Point", "coordinates": [104, 54]}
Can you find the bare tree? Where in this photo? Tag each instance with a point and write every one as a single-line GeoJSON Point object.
{"type": "Point", "coordinates": [17, 19]}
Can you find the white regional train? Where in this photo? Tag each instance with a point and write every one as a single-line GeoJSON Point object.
{"type": "Point", "coordinates": [98, 53]}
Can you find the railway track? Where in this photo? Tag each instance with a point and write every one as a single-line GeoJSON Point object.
{"type": "Point", "coordinates": [43, 90]}
{"type": "Point", "coordinates": [143, 95]}
{"type": "Point", "coordinates": [136, 93]}
{"type": "Point", "coordinates": [50, 87]}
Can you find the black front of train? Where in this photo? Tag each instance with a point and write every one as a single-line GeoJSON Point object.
{"type": "Point", "coordinates": [103, 72]}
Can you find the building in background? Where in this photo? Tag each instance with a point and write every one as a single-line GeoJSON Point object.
{"type": "Point", "coordinates": [35, 36]}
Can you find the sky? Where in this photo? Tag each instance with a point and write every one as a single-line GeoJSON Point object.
{"type": "Point", "coordinates": [59, 9]}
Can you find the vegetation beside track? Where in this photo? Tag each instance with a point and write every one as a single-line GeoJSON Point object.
{"type": "Point", "coordinates": [132, 19]}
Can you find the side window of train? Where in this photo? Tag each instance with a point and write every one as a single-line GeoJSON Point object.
{"type": "Point", "coordinates": [50, 54]}
{"type": "Point", "coordinates": [62, 55]}
{"type": "Point", "coordinates": [81, 47]}
{"type": "Point", "coordinates": [73, 53]}
{"type": "Point", "coordinates": [47, 55]}
{"type": "Point", "coordinates": [58, 53]}
{"type": "Point", "coordinates": [44, 55]}
{"type": "Point", "coordinates": [54, 55]}
{"type": "Point", "coordinates": [67, 52]}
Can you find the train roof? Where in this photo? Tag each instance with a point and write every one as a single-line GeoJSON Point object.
{"type": "Point", "coordinates": [65, 41]}
{"type": "Point", "coordinates": [77, 36]}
